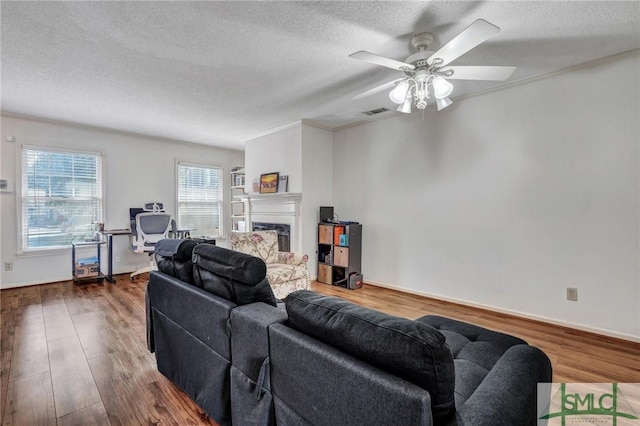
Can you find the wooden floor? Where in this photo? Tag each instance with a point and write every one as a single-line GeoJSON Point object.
{"type": "Point", "coordinates": [76, 355]}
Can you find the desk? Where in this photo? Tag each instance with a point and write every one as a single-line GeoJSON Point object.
{"type": "Point", "coordinates": [110, 233]}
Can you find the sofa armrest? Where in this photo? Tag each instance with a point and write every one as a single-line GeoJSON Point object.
{"type": "Point", "coordinates": [289, 258]}
{"type": "Point", "coordinates": [250, 335]}
{"type": "Point", "coordinates": [508, 394]}
{"type": "Point", "coordinates": [251, 398]}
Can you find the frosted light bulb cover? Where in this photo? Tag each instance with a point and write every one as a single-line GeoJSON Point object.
{"type": "Point", "coordinates": [441, 87]}
{"type": "Point", "coordinates": [398, 94]}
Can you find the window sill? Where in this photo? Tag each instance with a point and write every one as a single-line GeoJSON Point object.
{"type": "Point", "coordinates": [45, 252]}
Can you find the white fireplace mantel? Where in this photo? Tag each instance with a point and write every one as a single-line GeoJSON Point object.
{"type": "Point", "coordinates": [276, 197]}
{"type": "Point", "coordinates": [280, 207]}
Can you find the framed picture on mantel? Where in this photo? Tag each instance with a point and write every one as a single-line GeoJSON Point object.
{"type": "Point", "coordinates": [269, 183]}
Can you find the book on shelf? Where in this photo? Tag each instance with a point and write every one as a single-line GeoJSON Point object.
{"type": "Point", "coordinates": [238, 180]}
{"type": "Point", "coordinates": [337, 231]}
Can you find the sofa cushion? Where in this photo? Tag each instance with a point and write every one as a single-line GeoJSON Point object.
{"type": "Point", "coordinates": [410, 350]}
{"type": "Point", "coordinates": [476, 350]}
{"type": "Point", "coordinates": [232, 275]}
{"type": "Point", "coordinates": [173, 257]}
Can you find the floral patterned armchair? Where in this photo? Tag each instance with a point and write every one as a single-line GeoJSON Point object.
{"type": "Point", "coordinates": [286, 271]}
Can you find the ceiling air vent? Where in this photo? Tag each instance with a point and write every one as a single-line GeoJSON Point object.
{"type": "Point", "coordinates": [376, 111]}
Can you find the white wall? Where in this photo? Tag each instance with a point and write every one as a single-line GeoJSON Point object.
{"type": "Point", "coordinates": [505, 199]}
{"type": "Point", "coordinates": [317, 187]}
{"type": "Point", "coordinates": [136, 169]}
{"type": "Point", "coordinates": [278, 151]}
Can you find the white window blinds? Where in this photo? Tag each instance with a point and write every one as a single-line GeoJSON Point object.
{"type": "Point", "coordinates": [200, 199]}
{"type": "Point", "coordinates": [61, 197]}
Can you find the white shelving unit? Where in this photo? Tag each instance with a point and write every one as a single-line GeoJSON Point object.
{"type": "Point", "coordinates": [238, 220]}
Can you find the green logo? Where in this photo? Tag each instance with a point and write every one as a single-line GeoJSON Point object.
{"type": "Point", "coordinates": [590, 403]}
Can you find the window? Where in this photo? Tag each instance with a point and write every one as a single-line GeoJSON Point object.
{"type": "Point", "coordinates": [61, 197]}
{"type": "Point", "coordinates": [200, 199]}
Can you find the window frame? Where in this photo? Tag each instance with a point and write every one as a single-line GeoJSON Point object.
{"type": "Point", "coordinates": [220, 202]}
{"type": "Point", "coordinates": [22, 249]}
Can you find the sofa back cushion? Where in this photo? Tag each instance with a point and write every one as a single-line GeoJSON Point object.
{"type": "Point", "coordinates": [173, 257]}
{"type": "Point", "coordinates": [410, 350]}
{"type": "Point", "coordinates": [232, 275]}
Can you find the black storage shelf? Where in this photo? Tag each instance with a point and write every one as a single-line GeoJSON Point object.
{"type": "Point", "coordinates": [339, 252]}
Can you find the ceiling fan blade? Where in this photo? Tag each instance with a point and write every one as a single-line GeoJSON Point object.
{"type": "Point", "coordinates": [493, 73]}
{"type": "Point", "coordinates": [377, 89]}
{"type": "Point", "coordinates": [469, 38]}
{"type": "Point", "coordinates": [380, 60]}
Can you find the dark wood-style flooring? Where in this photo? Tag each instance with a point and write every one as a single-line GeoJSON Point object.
{"type": "Point", "coordinates": [76, 355]}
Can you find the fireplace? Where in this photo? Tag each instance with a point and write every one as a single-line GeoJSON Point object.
{"type": "Point", "coordinates": [284, 233]}
{"type": "Point", "coordinates": [281, 212]}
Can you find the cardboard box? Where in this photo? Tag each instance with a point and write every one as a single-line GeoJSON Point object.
{"type": "Point", "coordinates": [87, 270]}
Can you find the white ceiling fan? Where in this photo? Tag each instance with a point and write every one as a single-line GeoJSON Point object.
{"type": "Point", "coordinates": [426, 68]}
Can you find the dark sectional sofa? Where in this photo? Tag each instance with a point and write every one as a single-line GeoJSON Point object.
{"type": "Point", "coordinates": [248, 359]}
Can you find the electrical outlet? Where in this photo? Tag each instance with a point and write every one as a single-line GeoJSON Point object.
{"type": "Point", "coordinates": [8, 266]}
{"type": "Point", "coordinates": [117, 259]}
{"type": "Point", "coordinates": [572, 294]}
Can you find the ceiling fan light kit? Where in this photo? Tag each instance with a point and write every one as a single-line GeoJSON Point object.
{"type": "Point", "coordinates": [418, 89]}
{"type": "Point", "coordinates": [428, 71]}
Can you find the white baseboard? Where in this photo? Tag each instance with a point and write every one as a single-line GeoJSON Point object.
{"type": "Point", "coordinates": [30, 283]}
{"type": "Point", "coordinates": [595, 330]}
{"type": "Point", "coordinates": [126, 269]}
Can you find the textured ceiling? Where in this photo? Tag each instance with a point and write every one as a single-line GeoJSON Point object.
{"type": "Point", "coordinates": [220, 72]}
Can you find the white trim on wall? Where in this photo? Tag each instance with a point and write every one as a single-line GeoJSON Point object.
{"type": "Point", "coordinates": [519, 314]}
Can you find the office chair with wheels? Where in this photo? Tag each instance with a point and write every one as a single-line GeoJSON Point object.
{"type": "Point", "coordinates": [149, 228]}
